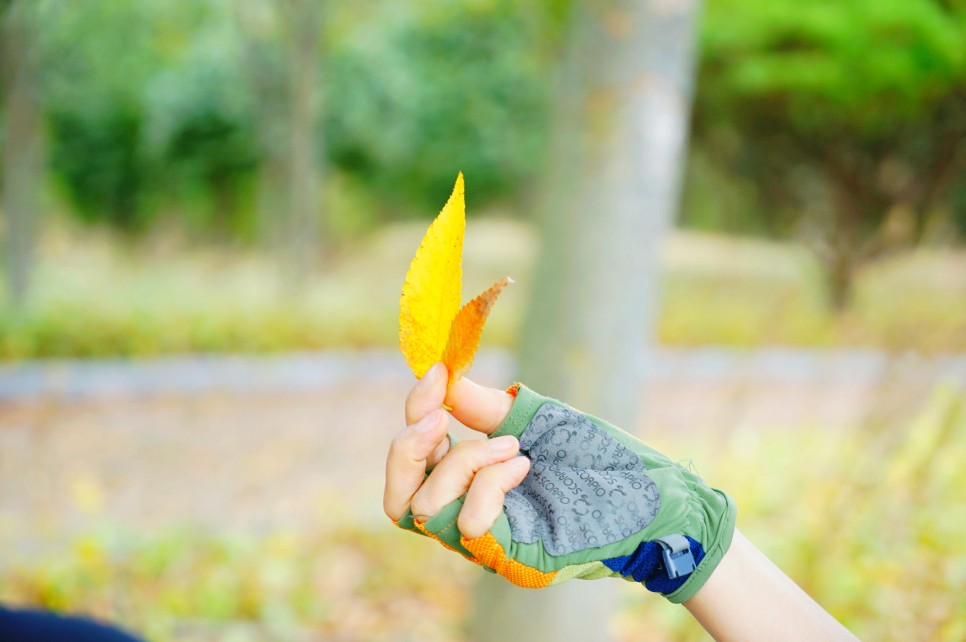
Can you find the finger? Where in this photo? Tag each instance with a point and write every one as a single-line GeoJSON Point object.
{"type": "Point", "coordinates": [478, 407]}
{"type": "Point", "coordinates": [427, 395]}
{"type": "Point", "coordinates": [406, 464]}
{"type": "Point", "coordinates": [438, 453]}
{"type": "Point", "coordinates": [484, 499]}
{"type": "Point", "coordinates": [452, 476]}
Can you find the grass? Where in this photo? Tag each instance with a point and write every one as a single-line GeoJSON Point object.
{"type": "Point", "coordinates": [94, 296]}
{"type": "Point", "coordinates": [871, 523]}
{"type": "Point", "coordinates": [195, 586]}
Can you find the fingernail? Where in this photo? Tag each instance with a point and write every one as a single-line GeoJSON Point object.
{"type": "Point", "coordinates": [520, 463]}
{"type": "Point", "coordinates": [427, 423]}
{"type": "Point", "coordinates": [504, 443]}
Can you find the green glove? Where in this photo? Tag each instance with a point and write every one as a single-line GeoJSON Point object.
{"type": "Point", "coordinates": [596, 503]}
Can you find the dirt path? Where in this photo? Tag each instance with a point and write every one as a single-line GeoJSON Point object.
{"type": "Point", "coordinates": [255, 443]}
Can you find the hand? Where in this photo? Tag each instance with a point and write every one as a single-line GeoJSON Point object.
{"type": "Point", "coordinates": [483, 470]}
{"type": "Point", "coordinates": [588, 501]}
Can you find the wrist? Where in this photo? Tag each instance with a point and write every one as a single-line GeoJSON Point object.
{"type": "Point", "coordinates": [720, 533]}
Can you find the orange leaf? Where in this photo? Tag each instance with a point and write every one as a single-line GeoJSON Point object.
{"type": "Point", "coordinates": [464, 334]}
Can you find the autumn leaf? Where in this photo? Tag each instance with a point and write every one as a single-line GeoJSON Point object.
{"type": "Point", "coordinates": [464, 335]}
{"type": "Point", "coordinates": [431, 292]}
{"type": "Point", "coordinates": [432, 327]}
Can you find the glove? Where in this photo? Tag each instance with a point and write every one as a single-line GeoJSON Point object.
{"type": "Point", "coordinates": [596, 503]}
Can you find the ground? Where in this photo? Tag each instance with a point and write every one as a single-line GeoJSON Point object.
{"type": "Point", "coordinates": [262, 442]}
{"type": "Point", "coordinates": [296, 443]}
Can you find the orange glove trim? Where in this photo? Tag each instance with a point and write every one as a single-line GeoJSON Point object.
{"type": "Point", "coordinates": [491, 554]}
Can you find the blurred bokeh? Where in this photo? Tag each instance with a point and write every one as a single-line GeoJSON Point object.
{"type": "Point", "coordinates": [208, 209]}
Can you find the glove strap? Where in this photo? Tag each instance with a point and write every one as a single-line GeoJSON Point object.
{"type": "Point", "coordinates": [676, 551]}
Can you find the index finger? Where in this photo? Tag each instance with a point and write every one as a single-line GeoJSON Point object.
{"type": "Point", "coordinates": [422, 442]}
{"type": "Point", "coordinates": [406, 463]}
{"type": "Point", "coordinates": [478, 407]}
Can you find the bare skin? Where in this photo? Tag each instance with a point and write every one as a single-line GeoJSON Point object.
{"type": "Point", "coordinates": [747, 597]}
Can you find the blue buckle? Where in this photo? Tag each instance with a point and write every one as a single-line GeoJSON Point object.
{"type": "Point", "coordinates": [676, 551]}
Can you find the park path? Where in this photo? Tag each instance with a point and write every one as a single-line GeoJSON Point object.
{"type": "Point", "coordinates": [257, 443]}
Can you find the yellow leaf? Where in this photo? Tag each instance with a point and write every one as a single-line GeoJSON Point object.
{"type": "Point", "coordinates": [431, 292]}
{"type": "Point", "coordinates": [432, 327]}
{"type": "Point", "coordinates": [464, 335]}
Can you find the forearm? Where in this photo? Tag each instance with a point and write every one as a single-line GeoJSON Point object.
{"type": "Point", "coordinates": [748, 598]}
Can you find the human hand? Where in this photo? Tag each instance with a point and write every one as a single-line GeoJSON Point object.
{"type": "Point", "coordinates": [595, 502]}
{"type": "Point", "coordinates": [481, 469]}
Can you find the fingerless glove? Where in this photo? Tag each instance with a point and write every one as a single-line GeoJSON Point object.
{"type": "Point", "coordinates": [596, 503]}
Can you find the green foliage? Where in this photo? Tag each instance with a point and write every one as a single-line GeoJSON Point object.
{"type": "Point", "coordinates": [98, 156]}
{"type": "Point", "coordinates": [426, 90]}
{"type": "Point", "coordinates": [842, 116]}
{"type": "Point", "coordinates": [809, 115]}
{"type": "Point", "coordinates": [154, 107]}
{"type": "Point", "coordinates": [201, 125]}
{"type": "Point", "coordinates": [856, 64]}
{"type": "Point", "coordinates": [142, 111]}
{"type": "Point", "coordinates": [93, 103]}
{"type": "Point", "coordinates": [846, 107]}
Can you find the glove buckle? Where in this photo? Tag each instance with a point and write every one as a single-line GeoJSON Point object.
{"type": "Point", "coordinates": [676, 551]}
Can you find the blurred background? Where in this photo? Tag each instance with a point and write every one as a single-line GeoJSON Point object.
{"type": "Point", "coordinates": [737, 229]}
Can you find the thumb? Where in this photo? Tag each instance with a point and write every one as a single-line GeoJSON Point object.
{"type": "Point", "coordinates": [478, 407]}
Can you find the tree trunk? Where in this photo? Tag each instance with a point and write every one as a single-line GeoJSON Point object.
{"type": "Point", "coordinates": [612, 191]}
{"type": "Point", "coordinates": [840, 277]}
{"type": "Point", "coordinates": [283, 45]}
{"type": "Point", "coordinates": [304, 23]}
{"type": "Point", "coordinates": [22, 150]}
{"type": "Point", "coordinates": [257, 24]}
